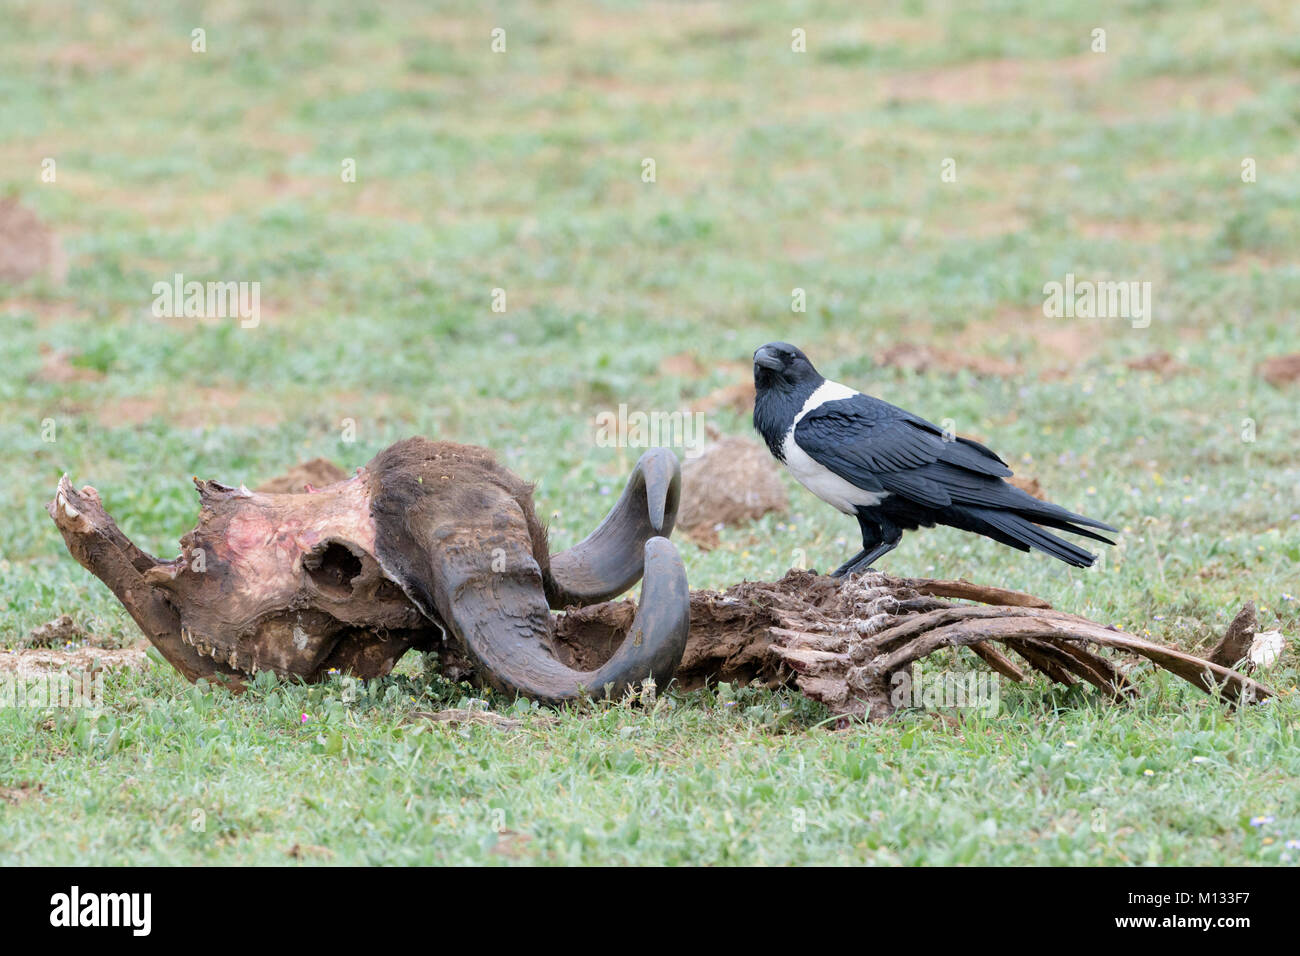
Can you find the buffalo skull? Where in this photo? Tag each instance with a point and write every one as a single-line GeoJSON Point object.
{"type": "Point", "coordinates": [430, 544]}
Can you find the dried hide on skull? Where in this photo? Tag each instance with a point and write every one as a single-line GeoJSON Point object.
{"type": "Point", "coordinates": [431, 542]}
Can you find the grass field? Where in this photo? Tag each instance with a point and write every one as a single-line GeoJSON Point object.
{"type": "Point", "coordinates": [775, 170]}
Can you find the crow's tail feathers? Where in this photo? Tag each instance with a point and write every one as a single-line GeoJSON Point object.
{"type": "Point", "coordinates": [1023, 533]}
{"type": "Point", "coordinates": [1054, 516]}
{"type": "Point", "coordinates": [1071, 524]}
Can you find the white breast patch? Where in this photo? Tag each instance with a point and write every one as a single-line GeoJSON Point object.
{"type": "Point", "coordinates": [825, 484]}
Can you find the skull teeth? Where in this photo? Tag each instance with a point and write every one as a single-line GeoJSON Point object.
{"type": "Point", "coordinates": [200, 645]}
{"type": "Point", "coordinates": [205, 649]}
{"type": "Point", "coordinates": [61, 501]}
{"type": "Point", "coordinates": [215, 652]}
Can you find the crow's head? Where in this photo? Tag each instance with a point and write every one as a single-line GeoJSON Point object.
{"type": "Point", "coordinates": [781, 365]}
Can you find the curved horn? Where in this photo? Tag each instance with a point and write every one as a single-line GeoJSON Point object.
{"type": "Point", "coordinates": [457, 533]}
{"type": "Point", "coordinates": [609, 560]}
{"type": "Point", "coordinates": [503, 620]}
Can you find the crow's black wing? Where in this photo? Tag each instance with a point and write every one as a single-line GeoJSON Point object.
{"type": "Point", "coordinates": [881, 447]}
{"type": "Point", "coordinates": [877, 446]}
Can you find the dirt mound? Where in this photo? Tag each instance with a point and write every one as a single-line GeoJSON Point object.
{"type": "Point", "coordinates": [732, 482]}
{"type": "Point", "coordinates": [27, 246]}
{"type": "Point", "coordinates": [62, 630]}
{"type": "Point", "coordinates": [318, 473]}
{"type": "Point", "coordinates": [1281, 370]}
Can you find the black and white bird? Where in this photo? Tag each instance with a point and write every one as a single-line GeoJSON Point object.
{"type": "Point", "coordinates": [894, 471]}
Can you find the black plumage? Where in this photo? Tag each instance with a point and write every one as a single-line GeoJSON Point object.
{"type": "Point", "coordinates": [896, 471]}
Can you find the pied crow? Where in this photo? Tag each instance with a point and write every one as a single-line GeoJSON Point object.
{"type": "Point", "coordinates": [894, 471]}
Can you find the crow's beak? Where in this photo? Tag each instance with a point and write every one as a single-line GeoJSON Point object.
{"type": "Point", "coordinates": [766, 358]}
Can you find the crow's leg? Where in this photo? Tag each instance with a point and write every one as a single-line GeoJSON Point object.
{"type": "Point", "coordinates": [871, 539]}
{"type": "Point", "coordinates": [879, 537]}
{"type": "Point", "coordinates": [843, 569]}
{"type": "Point", "coordinates": [864, 559]}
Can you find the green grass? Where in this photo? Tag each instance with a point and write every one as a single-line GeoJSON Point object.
{"type": "Point", "coordinates": [775, 170]}
{"type": "Point", "coordinates": [171, 773]}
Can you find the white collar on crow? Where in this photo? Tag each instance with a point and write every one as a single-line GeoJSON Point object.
{"type": "Point", "coordinates": [825, 484]}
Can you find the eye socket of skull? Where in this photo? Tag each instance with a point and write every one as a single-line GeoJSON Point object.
{"type": "Point", "coordinates": [333, 568]}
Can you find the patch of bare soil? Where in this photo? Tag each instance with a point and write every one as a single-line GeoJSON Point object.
{"type": "Point", "coordinates": [734, 481]}
{"type": "Point", "coordinates": [188, 408]}
{"type": "Point", "coordinates": [511, 844]}
{"type": "Point", "coordinates": [316, 473]}
{"type": "Point", "coordinates": [27, 246]}
{"type": "Point", "coordinates": [286, 187]}
{"type": "Point", "coordinates": [1248, 263]}
{"type": "Point", "coordinates": [1281, 370]}
{"type": "Point", "coordinates": [19, 792]}
{"type": "Point", "coordinates": [91, 58]}
{"type": "Point", "coordinates": [924, 358]}
{"type": "Point", "coordinates": [1160, 362]}
{"type": "Point", "coordinates": [57, 367]}
{"type": "Point", "coordinates": [738, 398]}
{"type": "Point", "coordinates": [683, 365]}
{"type": "Point", "coordinates": [38, 660]}
{"type": "Point", "coordinates": [992, 81]}
{"type": "Point", "coordinates": [302, 851]}
{"type": "Point", "coordinates": [1202, 95]}
{"type": "Point", "coordinates": [47, 312]}
{"type": "Point", "coordinates": [1064, 344]}
{"type": "Point", "coordinates": [1143, 230]}
{"type": "Point", "coordinates": [377, 200]}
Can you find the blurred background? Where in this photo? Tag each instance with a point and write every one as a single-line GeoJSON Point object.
{"type": "Point", "coordinates": [920, 170]}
